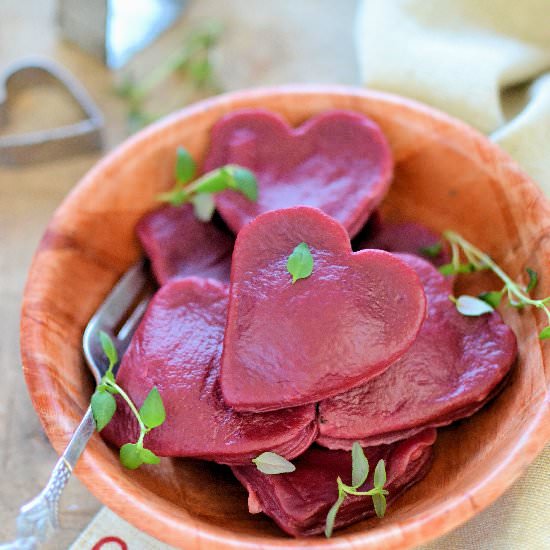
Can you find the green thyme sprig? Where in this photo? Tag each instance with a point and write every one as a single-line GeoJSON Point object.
{"type": "Point", "coordinates": [477, 260]}
{"type": "Point", "coordinates": [192, 60]}
{"type": "Point", "coordinates": [200, 192]}
{"type": "Point", "coordinates": [151, 414]}
{"type": "Point", "coordinates": [359, 474]}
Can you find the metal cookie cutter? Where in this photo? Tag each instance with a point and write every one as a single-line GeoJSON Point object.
{"type": "Point", "coordinates": [52, 143]}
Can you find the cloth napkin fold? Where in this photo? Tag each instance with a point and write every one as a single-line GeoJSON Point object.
{"type": "Point", "coordinates": [487, 63]}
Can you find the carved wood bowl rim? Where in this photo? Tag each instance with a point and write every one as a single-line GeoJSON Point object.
{"type": "Point", "coordinates": [60, 402]}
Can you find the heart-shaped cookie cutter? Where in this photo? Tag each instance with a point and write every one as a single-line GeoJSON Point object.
{"type": "Point", "coordinates": [52, 143]}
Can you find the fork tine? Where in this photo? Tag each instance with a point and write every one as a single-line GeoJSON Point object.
{"type": "Point", "coordinates": [127, 330]}
{"type": "Point", "coordinates": [110, 314]}
{"type": "Point", "coordinates": [123, 295]}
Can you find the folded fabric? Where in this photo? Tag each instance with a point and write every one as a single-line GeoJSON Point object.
{"type": "Point", "coordinates": [483, 62]}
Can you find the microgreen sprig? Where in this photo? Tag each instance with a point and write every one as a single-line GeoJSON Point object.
{"type": "Point", "coordinates": [200, 192]}
{"type": "Point", "coordinates": [477, 260]}
{"type": "Point", "coordinates": [227, 177]}
{"type": "Point", "coordinates": [151, 414]}
{"type": "Point", "coordinates": [359, 474]}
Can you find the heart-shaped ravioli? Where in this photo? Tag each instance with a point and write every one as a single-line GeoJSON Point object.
{"type": "Point", "coordinates": [288, 343]}
{"type": "Point", "coordinates": [180, 245]}
{"type": "Point", "coordinates": [407, 237]}
{"type": "Point", "coordinates": [338, 161]}
{"type": "Point", "coordinates": [300, 501]}
{"type": "Point", "coordinates": [454, 367]}
{"type": "Point", "coordinates": [177, 348]}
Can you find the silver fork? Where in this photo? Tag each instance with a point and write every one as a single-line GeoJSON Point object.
{"type": "Point", "coordinates": [118, 316]}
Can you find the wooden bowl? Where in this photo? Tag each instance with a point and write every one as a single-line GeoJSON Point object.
{"type": "Point", "coordinates": [446, 176]}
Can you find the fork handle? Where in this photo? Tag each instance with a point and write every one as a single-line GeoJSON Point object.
{"type": "Point", "coordinates": [37, 519]}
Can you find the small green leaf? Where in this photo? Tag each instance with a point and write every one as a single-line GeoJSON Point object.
{"type": "Point", "coordinates": [103, 408]}
{"type": "Point", "coordinates": [245, 182]}
{"type": "Point", "coordinates": [108, 347]}
{"type": "Point", "coordinates": [331, 516]}
{"type": "Point", "coordinates": [467, 268]}
{"type": "Point", "coordinates": [214, 181]}
{"type": "Point", "coordinates": [492, 298]}
{"type": "Point", "coordinates": [431, 251]}
{"type": "Point", "coordinates": [130, 456]}
{"type": "Point", "coordinates": [272, 463]}
{"type": "Point", "coordinates": [472, 307]}
{"type": "Point", "coordinates": [379, 502]}
{"type": "Point", "coordinates": [148, 457]}
{"type": "Point", "coordinates": [359, 467]}
{"type": "Point", "coordinates": [203, 206]}
{"type": "Point", "coordinates": [152, 411]}
{"type": "Point", "coordinates": [300, 262]}
{"type": "Point", "coordinates": [380, 475]}
{"type": "Point", "coordinates": [533, 279]}
{"type": "Point", "coordinates": [447, 269]}
{"type": "Point", "coordinates": [450, 269]}
{"type": "Point", "coordinates": [227, 177]}
{"type": "Point", "coordinates": [176, 197]}
{"type": "Point", "coordinates": [544, 334]}
{"type": "Point", "coordinates": [185, 166]}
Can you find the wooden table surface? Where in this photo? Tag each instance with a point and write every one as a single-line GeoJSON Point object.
{"type": "Point", "coordinates": [277, 41]}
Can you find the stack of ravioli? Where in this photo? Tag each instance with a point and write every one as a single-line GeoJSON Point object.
{"type": "Point", "coordinates": [367, 348]}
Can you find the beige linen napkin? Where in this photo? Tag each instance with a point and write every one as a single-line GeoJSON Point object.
{"type": "Point", "coordinates": [486, 62]}
{"type": "Point", "coordinates": [483, 61]}
{"type": "Point", "coordinates": [108, 532]}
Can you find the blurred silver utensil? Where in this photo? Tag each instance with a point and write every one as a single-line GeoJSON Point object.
{"type": "Point", "coordinates": [118, 316]}
{"type": "Point", "coordinates": [114, 30]}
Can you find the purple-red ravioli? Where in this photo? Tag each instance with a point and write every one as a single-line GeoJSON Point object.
{"type": "Point", "coordinates": [289, 344]}
{"type": "Point", "coordinates": [338, 161]}
{"type": "Point", "coordinates": [177, 348]}
{"type": "Point", "coordinates": [407, 237]}
{"type": "Point", "coordinates": [454, 367]}
{"type": "Point", "coordinates": [180, 245]}
{"type": "Point", "coordinates": [299, 501]}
